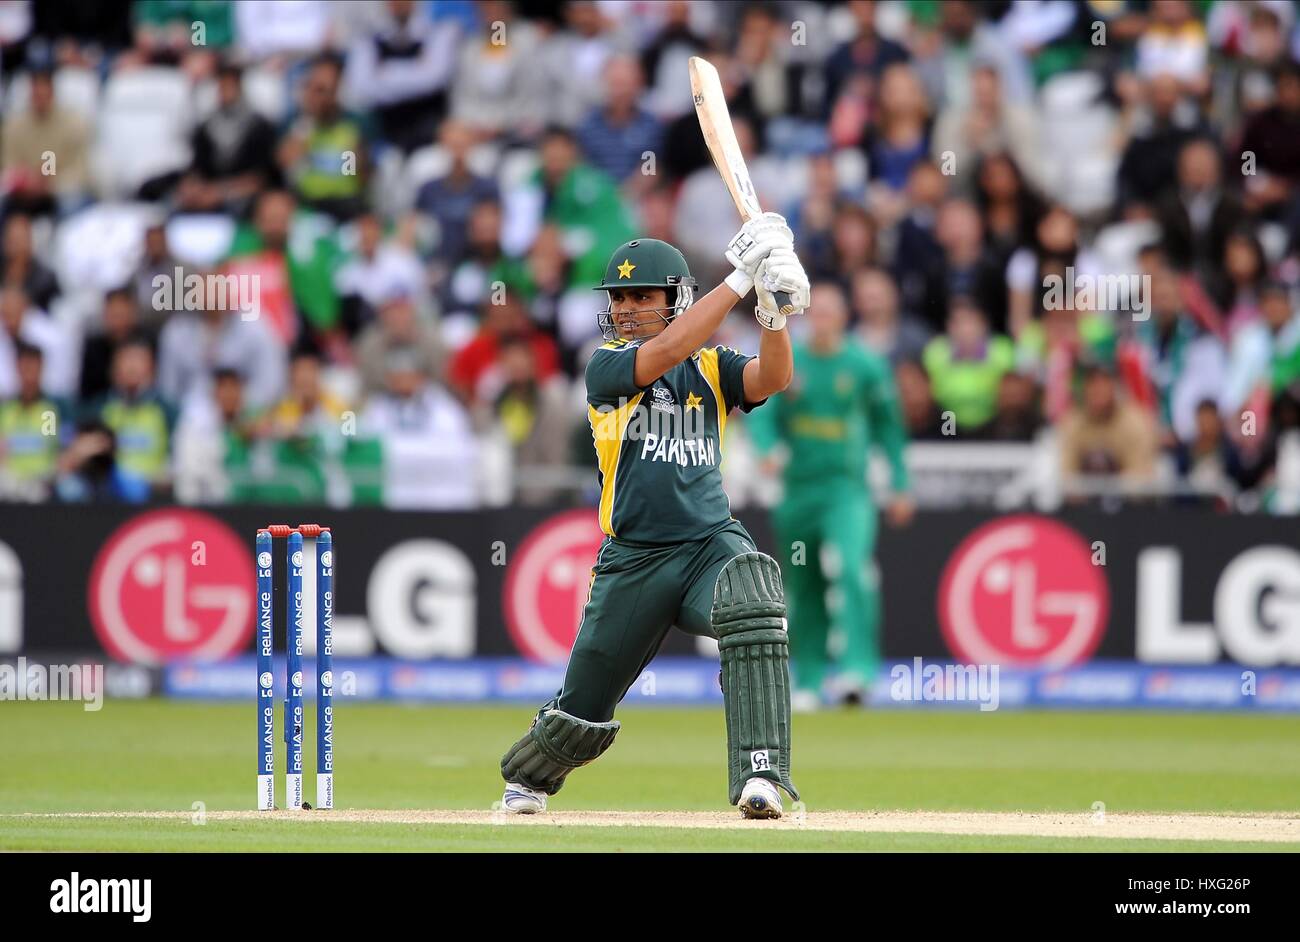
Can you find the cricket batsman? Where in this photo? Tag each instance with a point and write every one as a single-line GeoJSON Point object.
{"type": "Point", "coordinates": [841, 402]}
{"type": "Point", "coordinates": [658, 400]}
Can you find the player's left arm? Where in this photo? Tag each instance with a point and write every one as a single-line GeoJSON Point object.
{"type": "Point", "coordinates": [773, 369]}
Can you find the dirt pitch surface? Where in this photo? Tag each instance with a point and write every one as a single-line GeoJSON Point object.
{"type": "Point", "coordinates": [1200, 827]}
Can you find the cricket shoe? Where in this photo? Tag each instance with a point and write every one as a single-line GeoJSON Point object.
{"type": "Point", "coordinates": [760, 799]}
{"type": "Point", "coordinates": [520, 799]}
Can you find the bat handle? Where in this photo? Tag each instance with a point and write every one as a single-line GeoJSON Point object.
{"type": "Point", "coordinates": [784, 303]}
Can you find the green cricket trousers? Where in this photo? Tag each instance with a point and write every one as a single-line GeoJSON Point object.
{"type": "Point", "coordinates": [841, 516]}
{"type": "Point", "coordinates": [637, 593]}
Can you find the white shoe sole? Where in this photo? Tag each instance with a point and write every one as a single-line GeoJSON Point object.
{"type": "Point", "coordinates": [758, 807]}
{"type": "Point", "coordinates": [522, 804]}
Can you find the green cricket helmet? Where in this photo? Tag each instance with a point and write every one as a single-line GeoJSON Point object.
{"type": "Point", "coordinates": [647, 263]}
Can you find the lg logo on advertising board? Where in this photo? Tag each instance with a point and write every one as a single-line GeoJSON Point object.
{"type": "Point", "coordinates": [548, 582]}
{"type": "Point", "coordinates": [172, 584]}
{"type": "Point", "coordinates": [1256, 610]}
{"type": "Point", "coordinates": [1023, 590]}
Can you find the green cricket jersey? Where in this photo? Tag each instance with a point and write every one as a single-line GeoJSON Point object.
{"type": "Point", "coordinates": [28, 437]}
{"type": "Point", "coordinates": [659, 447]}
{"type": "Point", "coordinates": [836, 408]}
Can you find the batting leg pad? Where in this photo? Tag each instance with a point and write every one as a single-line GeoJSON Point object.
{"type": "Point", "coordinates": [555, 745]}
{"type": "Point", "coordinates": [749, 620]}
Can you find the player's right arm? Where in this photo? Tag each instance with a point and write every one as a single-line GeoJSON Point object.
{"type": "Point", "coordinates": [686, 334]}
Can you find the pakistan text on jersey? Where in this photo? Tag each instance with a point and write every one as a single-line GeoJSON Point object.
{"type": "Point", "coordinates": [683, 451]}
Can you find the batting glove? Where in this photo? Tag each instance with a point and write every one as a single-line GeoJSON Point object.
{"type": "Point", "coordinates": [756, 238]}
{"type": "Point", "coordinates": [780, 271]}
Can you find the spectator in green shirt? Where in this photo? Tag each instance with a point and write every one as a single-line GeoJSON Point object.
{"type": "Point", "coordinates": [295, 259]}
{"type": "Point", "coordinates": [325, 152]}
{"type": "Point", "coordinates": [182, 31]}
{"type": "Point", "coordinates": [30, 427]}
{"type": "Point", "coordinates": [966, 364]}
{"type": "Point", "coordinates": [584, 203]}
{"type": "Point", "coordinates": [139, 419]}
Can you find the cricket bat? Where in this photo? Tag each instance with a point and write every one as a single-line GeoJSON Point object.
{"type": "Point", "coordinates": [720, 137]}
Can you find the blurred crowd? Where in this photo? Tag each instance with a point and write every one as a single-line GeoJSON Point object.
{"type": "Point", "coordinates": [423, 195]}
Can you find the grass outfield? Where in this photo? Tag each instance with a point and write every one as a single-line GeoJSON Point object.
{"type": "Point", "coordinates": [148, 756]}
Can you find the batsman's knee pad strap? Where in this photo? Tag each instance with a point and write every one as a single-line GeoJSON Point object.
{"type": "Point", "coordinates": [555, 745]}
{"type": "Point", "coordinates": [749, 620]}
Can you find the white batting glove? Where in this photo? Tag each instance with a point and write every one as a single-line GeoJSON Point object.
{"type": "Point", "coordinates": [780, 271]}
{"type": "Point", "coordinates": [756, 238]}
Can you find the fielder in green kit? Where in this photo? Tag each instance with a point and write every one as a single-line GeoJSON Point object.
{"type": "Point", "coordinates": [841, 402]}
{"type": "Point", "coordinates": [658, 401]}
